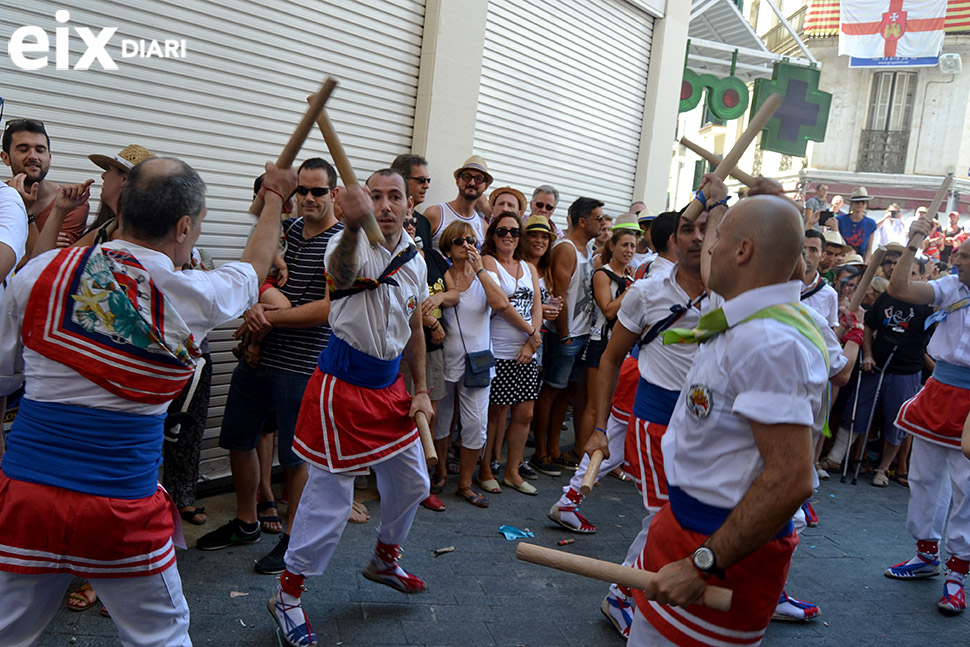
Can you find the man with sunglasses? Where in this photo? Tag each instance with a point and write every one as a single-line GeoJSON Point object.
{"type": "Point", "coordinates": [26, 150]}
{"type": "Point", "coordinates": [543, 203]}
{"type": "Point", "coordinates": [296, 337]}
{"type": "Point", "coordinates": [473, 179]}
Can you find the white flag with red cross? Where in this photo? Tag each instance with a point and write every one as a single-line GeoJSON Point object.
{"type": "Point", "coordinates": [891, 29]}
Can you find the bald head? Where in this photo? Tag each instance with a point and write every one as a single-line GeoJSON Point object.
{"type": "Point", "coordinates": [157, 193]}
{"type": "Point", "coordinates": [759, 243]}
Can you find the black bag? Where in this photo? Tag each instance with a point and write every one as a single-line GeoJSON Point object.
{"type": "Point", "coordinates": [477, 364]}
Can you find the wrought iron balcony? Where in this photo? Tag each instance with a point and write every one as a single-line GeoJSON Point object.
{"type": "Point", "coordinates": [882, 151]}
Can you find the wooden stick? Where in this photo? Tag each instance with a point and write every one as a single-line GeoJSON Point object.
{"type": "Point", "coordinates": [286, 158]}
{"type": "Point", "coordinates": [591, 471]}
{"type": "Point", "coordinates": [916, 239]}
{"type": "Point", "coordinates": [427, 440]}
{"type": "Point", "coordinates": [347, 175]}
{"type": "Point", "coordinates": [714, 597]}
{"type": "Point", "coordinates": [759, 121]}
{"type": "Point", "coordinates": [715, 159]}
{"type": "Point", "coordinates": [860, 292]}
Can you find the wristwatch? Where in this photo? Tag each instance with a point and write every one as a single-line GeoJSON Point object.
{"type": "Point", "coordinates": [705, 561]}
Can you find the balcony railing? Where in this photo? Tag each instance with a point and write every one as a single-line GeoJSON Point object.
{"type": "Point", "coordinates": [882, 151]}
{"type": "Point", "coordinates": [779, 40]}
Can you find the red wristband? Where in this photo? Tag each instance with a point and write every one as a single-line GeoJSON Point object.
{"type": "Point", "coordinates": [272, 190]}
{"type": "Point", "coordinates": [416, 393]}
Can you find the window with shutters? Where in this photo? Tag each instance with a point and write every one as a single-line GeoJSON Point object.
{"type": "Point", "coordinates": [885, 140]}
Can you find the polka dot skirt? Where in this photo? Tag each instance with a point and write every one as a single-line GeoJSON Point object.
{"type": "Point", "coordinates": [514, 383]}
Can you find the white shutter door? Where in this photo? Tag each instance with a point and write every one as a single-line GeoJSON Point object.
{"type": "Point", "coordinates": [562, 94]}
{"type": "Point", "coordinates": [228, 107]}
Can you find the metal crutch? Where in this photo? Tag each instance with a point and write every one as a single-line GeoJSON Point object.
{"type": "Point", "coordinates": [872, 413]}
{"type": "Point", "coordinates": [855, 404]}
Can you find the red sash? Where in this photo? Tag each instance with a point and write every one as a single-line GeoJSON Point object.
{"type": "Point", "coordinates": [343, 427]}
{"type": "Point", "coordinates": [937, 413]}
{"type": "Point", "coordinates": [98, 312]}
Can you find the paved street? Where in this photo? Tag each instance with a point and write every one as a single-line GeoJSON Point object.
{"type": "Point", "coordinates": [480, 595]}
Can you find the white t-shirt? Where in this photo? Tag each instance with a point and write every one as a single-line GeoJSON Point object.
{"type": "Point", "coordinates": [467, 328]}
{"type": "Point", "coordinates": [951, 340]}
{"type": "Point", "coordinates": [761, 370]}
{"type": "Point", "coordinates": [825, 301]}
{"type": "Point", "coordinates": [13, 224]}
{"type": "Point", "coordinates": [507, 340]}
{"type": "Point", "coordinates": [204, 300]}
{"type": "Point", "coordinates": [649, 301]}
{"type": "Point", "coordinates": [377, 322]}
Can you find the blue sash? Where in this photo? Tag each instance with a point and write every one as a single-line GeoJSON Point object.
{"type": "Point", "coordinates": [346, 363]}
{"type": "Point", "coordinates": [705, 519]}
{"type": "Point", "coordinates": [958, 376]}
{"type": "Point", "coordinates": [105, 453]}
{"type": "Point", "coordinates": [653, 403]}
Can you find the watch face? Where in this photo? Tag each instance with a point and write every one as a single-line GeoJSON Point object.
{"type": "Point", "coordinates": [704, 558]}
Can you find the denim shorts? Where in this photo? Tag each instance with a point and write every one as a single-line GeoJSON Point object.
{"type": "Point", "coordinates": [562, 363]}
{"type": "Point", "coordinates": [254, 395]}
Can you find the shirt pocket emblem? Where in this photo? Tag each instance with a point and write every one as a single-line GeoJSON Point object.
{"type": "Point", "coordinates": [699, 400]}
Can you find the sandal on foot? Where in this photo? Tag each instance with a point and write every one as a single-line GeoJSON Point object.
{"type": "Point", "coordinates": [473, 497]}
{"type": "Point", "coordinates": [434, 503]}
{"type": "Point", "coordinates": [190, 515]}
{"type": "Point", "coordinates": [490, 485]}
{"type": "Point", "coordinates": [265, 520]}
{"type": "Point", "coordinates": [902, 479]}
{"type": "Point", "coordinates": [82, 598]}
{"type": "Point", "coordinates": [438, 484]}
{"type": "Point", "coordinates": [359, 514]}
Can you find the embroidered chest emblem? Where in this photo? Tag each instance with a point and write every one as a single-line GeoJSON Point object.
{"type": "Point", "coordinates": [412, 304]}
{"type": "Point", "coordinates": [699, 401]}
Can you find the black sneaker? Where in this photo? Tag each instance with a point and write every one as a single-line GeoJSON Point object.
{"type": "Point", "coordinates": [231, 534]}
{"type": "Point", "coordinates": [566, 461]}
{"type": "Point", "coordinates": [526, 472]}
{"type": "Point", "coordinates": [544, 465]}
{"type": "Point", "coordinates": [272, 562]}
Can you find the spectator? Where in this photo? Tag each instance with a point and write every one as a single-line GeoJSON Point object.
{"type": "Point", "coordinates": [26, 150]}
{"type": "Point", "coordinates": [835, 248]}
{"type": "Point", "coordinates": [837, 204]}
{"type": "Point", "coordinates": [515, 340]}
{"type": "Point", "coordinates": [645, 248]}
{"type": "Point", "coordinates": [545, 197]}
{"type": "Point", "coordinates": [892, 228]}
{"type": "Point", "coordinates": [663, 232]}
{"type": "Point", "coordinates": [473, 179]}
{"type": "Point", "coordinates": [816, 293]}
{"type": "Point", "coordinates": [815, 205]}
{"type": "Point", "coordinates": [857, 228]}
{"type": "Point", "coordinates": [504, 199]}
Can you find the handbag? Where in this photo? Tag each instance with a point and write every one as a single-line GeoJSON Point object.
{"type": "Point", "coordinates": [478, 364]}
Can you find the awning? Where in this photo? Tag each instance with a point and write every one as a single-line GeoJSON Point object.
{"type": "Point", "coordinates": [910, 191]}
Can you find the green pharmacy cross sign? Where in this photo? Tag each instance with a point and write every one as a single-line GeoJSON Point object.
{"type": "Point", "coordinates": [804, 114]}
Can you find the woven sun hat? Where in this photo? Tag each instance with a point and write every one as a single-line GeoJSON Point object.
{"type": "Point", "coordinates": [507, 189]}
{"type": "Point", "coordinates": [895, 247]}
{"type": "Point", "coordinates": [859, 194]}
{"type": "Point", "coordinates": [627, 221]}
{"type": "Point", "coordinates": [475, 163]}
{"type": "Point", "coordinates": [835, 238]}
{"type": "Point", "coordinates": [854, 260]}
{"type": "Point", "coordinates": [130, 155]}
{"type": "Point", "coordinates": [538, 223]}
{"type": "Point", "coordinates": [646, 215]}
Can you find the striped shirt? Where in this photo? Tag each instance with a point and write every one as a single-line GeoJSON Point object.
{"type": "Point", "coordinates": [296, 349]}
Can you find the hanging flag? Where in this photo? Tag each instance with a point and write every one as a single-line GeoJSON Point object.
{"type": "Point", "coordinates": [892, 33]}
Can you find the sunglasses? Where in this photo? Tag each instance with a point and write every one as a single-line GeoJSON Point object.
{"type": "Point", "coordinates": [421, 180]}
{"type": "Point", "coordinates": [458, 242]}
{"type": "Point", "coordinates": [410, 222]}
{"type": "Point", "coordinates": [502, 232]}
{"type": "Point", "coordinates": [471, 177]}
{"type": "Point", "coordinates": [543, 206]}
{"type": "Point", "coordinates": [19, 123]}
{"type": "Point", "coordinates": [317, 191]}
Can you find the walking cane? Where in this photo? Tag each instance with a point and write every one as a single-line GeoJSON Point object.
{"type": "Point", "coordinates": [872, 412]}
{"type": "Point", "coordinates": [855, 405]}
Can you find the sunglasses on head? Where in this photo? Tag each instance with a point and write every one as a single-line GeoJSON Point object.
{"type": "Point", "coordinates": [472, 177]}
{"type": "Point", "coordinates": [544, 206]}
{"type": "Point", "coordinates": [317, 191]}
{"type": "Point", "coordinates": [502, 232]}
{"type": "Point", "coordinates": [458, 242]}
{"type": "Point", "coordinates": [420, 180]}
{"type": "Point", "coordinates": [19, 123]}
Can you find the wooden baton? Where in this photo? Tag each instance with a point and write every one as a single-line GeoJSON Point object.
{"type": "Point", "coordinates": [427, 440]}
{"type": "Point", "coordinates": [285, 160]}
{"type": "Point", "coordinates": [916, 239]}
{"type": "Point", "coordinates": [715, 159]}
{"type": "Point", "coordinates": [860, 292]}
{"type": "Point", "coordinates": [759, 121]}
{"type": "Point", "coordinates": [595, 460]}
{"type": "Point", "coordinates": [347, 175]}
{"type": "Point", "coordinates": [714, 597]}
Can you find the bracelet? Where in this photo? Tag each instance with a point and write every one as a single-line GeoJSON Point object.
{"type": "Point", "coordinates": [417, 393]}
{"type": "Point", "coordinates": [599, 429]}
{"type": "Point", "coordinates": [272, 190]}
{"type": "Point", "coordinates": [699, 195]}
{"type": "Point", "coordinates": [479, 271]}
{"type": "Point", "coordinates": [722, 202]}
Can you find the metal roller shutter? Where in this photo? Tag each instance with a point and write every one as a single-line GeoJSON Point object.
{"type": "Point", "coordinates": [562, 96]}
{"type": "Point", "coordinates": [229, 106]}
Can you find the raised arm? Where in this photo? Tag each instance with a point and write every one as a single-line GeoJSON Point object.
{"type": "Point", "coordinates": [344, 264]}
{"type": "Point", "coordinates": [263, 244]}
{"type": "Point", "coordinates": [900, 287]}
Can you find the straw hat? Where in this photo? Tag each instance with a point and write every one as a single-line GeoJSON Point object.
{"type": "Point", "coordinates": [835, 238]}
{"type": "Point", "coordinates": [127, 159]}
{"type": "Point", "coordinates": [507, 189]}
{"type": "Point", "coordinates": [475, 163]}
{"type": "Point", "coordinates": [538, 223]}
{"type": "Point", "coordinates": [859, 194]}
{"type": "Point", "coordinates": [895, 247]}
{"type": "Point", "coordinates": [854, 260]}
{"type": "Point", "coordinates": [646, 215]}
{"type": "Point", "coordinates": [627, 221]}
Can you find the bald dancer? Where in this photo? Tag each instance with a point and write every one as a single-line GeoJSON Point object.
{"type": "Point", "coordinates": [738, 450]}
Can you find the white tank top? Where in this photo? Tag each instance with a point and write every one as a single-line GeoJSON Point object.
{"type": "Point", "coordinates": [507, 340]}
{"type": "Point", "coordinates": [449, 215]}
{"type": "Point", "coordinates": [579, 293]}
{"type": "Point", "coordinates": [474, 314]}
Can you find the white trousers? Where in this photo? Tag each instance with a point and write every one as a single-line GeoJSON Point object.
{"type": "Point", "coordinates": [148, 611]}
{"type": "Point", "coordinates": [939, 476]}
{"type": "Point", "coordinates": [642, 634]}
{"type": "Point", "coordinates": [328, 498]}
{"type": "Point", "coordinates": [472, 406]}
{"type": "Point", "coordinates": [615, 437]}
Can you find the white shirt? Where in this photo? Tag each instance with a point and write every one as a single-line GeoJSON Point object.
{"type": "Point", "coordinates": [507, 340]}
{"type": "Point", "coordinates": [837, 362]}
{"type": "Point", "coordinates": [640, 259]}
{"type": "Point", "coordinates": [377, 322]}
{"type": "Point", "coordinates": [951, 340]}
{"type": "Point", "coordinates": [825, 302]}
{"type": "Point", "coordinates": [473, 333]}
{"type": "Point", "coordinates": [761, 370]}
{"type": "Point", "coordinates": [649, 301]}
{"type": "Point", "coordinates": [894, 230]}
{"type": "Point", "coordinates": [204, 300]}
{"type": "Point", "coordinates": [449, 215]}
{"type": "Point", "coordinates": [13, 223]}
{"type": "Point", "coordinates": [578, 300]}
